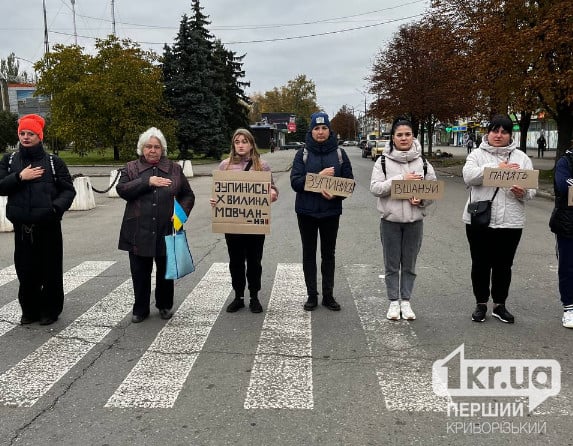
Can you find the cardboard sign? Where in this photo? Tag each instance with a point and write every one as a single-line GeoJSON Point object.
{"type": "Point", "coordinates": [570, 200]}
{"type": "Point", "coordinates": [342, 187]}
{"type": "Point", "coordinates": [243, 202]}
{"type": "Point", "coordinates": [528, 179]}
{"type": "Point", "coordinates": [423, 189]}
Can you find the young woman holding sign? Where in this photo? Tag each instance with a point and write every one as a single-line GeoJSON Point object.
{"type": "Point", "coordinates": [401, 224]}
{"type": "Point", "coordinates": [493, 247]}
{"type": "Point", "coordinates": [245, 247]}
{"type": "Point", "coordinates": [319, 213]}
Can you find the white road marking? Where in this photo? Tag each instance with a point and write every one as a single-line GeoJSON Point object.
{"type": "Point", "coordinates": [158, 377]}
{"type": "Point", "coordinates": [31, 378]}
{"type": "Point", "coordinates": [7, 275]}
{"type": "Point", "coordinates": [77, 276]}
{"type": "Point", "coordinates": [281, 377]}
{"type": "Point", "coordinates": [405, 377]}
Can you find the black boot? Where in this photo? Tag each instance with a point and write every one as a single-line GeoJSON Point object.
{"type": "Point", "coordinates": [329, 302]}
{"type": "Point", "coordinates": [236, 305]}
{"type": "Point", "coordinates": [311, 303]}
{"type": "Point", "coordinates": [255, 305]}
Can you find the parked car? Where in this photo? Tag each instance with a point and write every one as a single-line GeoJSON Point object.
{"type": "Point", "coordinates": [350, 143]}
{"type": "Point", "coordinates": [292, 145]}
{"type": "Point", "coordinates": [378, 148]}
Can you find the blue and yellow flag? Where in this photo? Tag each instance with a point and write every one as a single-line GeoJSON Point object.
{"type": "Point", "coordinates": [179, 215]}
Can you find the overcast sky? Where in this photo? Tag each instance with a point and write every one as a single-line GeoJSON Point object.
{"type": "Point", "coordinates": [332, 42]}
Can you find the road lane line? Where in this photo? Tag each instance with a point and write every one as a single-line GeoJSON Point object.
{"type": "Point", "coordinates": [158, 377]}
{"type": "Point", "coordinates": [7, 275]}
{"type": "Point", "coordinates": [25, 383]}
{"type": "Point", "coordinates": [10, 313]}
{"type": "Point", "coordinates": [281, 376]}
{"type": "Point", "coordinates": [404, 376]}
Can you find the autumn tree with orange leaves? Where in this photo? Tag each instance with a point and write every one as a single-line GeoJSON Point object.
{"type": "Point", "coordinates": [524, 54]}
{"type": "Point", "coordinates": [423, 74]}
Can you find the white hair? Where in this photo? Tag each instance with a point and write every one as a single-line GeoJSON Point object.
{"type": "Point", "coordinates": [150, 133]}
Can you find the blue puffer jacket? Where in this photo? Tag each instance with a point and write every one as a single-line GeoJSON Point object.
{"type": "Point", "coordinates": [320, 156]}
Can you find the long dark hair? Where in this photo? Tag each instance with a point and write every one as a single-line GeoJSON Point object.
{"type": "Point", "coordinates": [397, 123]}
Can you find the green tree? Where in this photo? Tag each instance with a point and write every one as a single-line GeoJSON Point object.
{"type": "Point", "coordinates": [8, 130]}
{"type": "Point", "coordinates": [298, 97]}
{"type": "Point", "coordinates": [228, 70]}
{"type": "Point", "coordinates": [10, 70]}
{"type": "Point", "coordinates": [105, 100]}
{"type": "Point", "coordinates": [190, 89]}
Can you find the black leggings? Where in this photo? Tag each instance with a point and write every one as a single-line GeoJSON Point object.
{"type": "Point", "coordinates": [245, 248]}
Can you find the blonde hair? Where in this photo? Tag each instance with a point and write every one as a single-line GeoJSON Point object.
{"type": "Point", "coordinates": [144, 138]}
{"type": "Point", "coordinates": [255, 155]}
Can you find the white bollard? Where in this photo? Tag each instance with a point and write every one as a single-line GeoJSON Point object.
{"type": "Point", "coordinates": [187, 167]}
{"type": "Point", "coordinates": [84, 200]}
{"type": "Point", "coordinates": [5, 224]}
{"type": "Point", "coordinates": [113, 179]}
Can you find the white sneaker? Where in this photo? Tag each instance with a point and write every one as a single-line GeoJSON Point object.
{"type": "Point", "coordinates": [406, 310]}
{"type": "Point", "coordinates": [394, 311]}
{"type": "Point", "coordinates": [567, 319]}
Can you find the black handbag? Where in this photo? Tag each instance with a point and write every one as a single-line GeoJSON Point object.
{"type": "Point", "coordinates": [480, 211]}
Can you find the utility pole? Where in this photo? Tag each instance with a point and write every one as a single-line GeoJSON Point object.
{"type": "Point", "coordinates": [46, 44]}
{"type": "Point", "coordinates": [113, 16]}
{"type": "Point", "coordinates": [74, 16]}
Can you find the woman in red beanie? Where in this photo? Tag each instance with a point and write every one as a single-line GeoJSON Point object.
{"type": "Point", "coordinates": [39, 189]}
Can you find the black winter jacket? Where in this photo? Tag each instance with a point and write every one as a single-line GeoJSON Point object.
{"type": "Point", "coordinates": [148, 211]}
{"type": "Point", "coordinates": [319, 156]}
{"type": "Point", "coordinates": [42, 200]}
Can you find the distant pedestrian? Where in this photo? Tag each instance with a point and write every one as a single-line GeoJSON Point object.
{"type": "Point", "coordinates": [541, 146]}
{"type": "Point", "coordinates": [319, 213]}
{"type": "Point", "coordinates": [561, 223]}
{"type": "Point", "coordinates": [245, 250]}
{"type": "Point", "coordinates": [470, 145]}
{"type": "Point", "coordinates": [149, 185]}
{"type": "Point", "coordinates": [39, 189]}
{"type": "Point", "coordinates": [493, 247]}
{"type": "Point", "coordinates": [401, 224]}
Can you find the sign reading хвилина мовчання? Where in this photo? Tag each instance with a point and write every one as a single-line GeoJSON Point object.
{"type": "Point", "coordinates": [243, 202]}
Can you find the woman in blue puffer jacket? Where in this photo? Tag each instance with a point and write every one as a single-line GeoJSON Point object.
{"type": "Point", "coordinates": [319, 213]}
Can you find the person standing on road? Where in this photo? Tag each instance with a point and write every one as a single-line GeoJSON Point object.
{"type": "Point", "coordinates": [493, 248]}
{"type": "Point", "coordinates": [319, 213]}
{"type": "Point", "coordinates": [39, 189]}
{"type": "Point", "coordinates": [470, 145]}
{"type": "Point", "coordinates": [245, 248]}
{"type": "Point", "coordinates": [149, 185]}
{"type": "Point", "coordinates": [401, 224]}
{"type": "Point", "coordinates": [541, 146]}
{"type": "Point", "coordinates": [561, 223]}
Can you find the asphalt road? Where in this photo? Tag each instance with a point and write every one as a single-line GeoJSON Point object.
{"type": "Point", "coordinates": [286, 377]}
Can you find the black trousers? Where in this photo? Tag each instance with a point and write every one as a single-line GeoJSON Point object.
{"type": "Point", "coordinates": [310, 228]}
{"type": "Point", "coordinates": [492, 252]}
{"type": "Point", "coordinates": [141, 268]}
{"type": "Point", "coordinates": [245, 248]}
{"type": "Point", "coordinates": [38, 255]}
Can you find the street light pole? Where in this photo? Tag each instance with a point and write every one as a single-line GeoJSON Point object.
{"type": "Point", "coordinates": [74, 17]}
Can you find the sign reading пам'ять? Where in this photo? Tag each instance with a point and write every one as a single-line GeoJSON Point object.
{"type": "Point", "coordinates": [496, 177]}
{"type": "Point", "coordinates": [339, 186]}
{"type": "Point", "coordinates": [423, 189]}
{"type": "Point", "coordinates": [243, 202]}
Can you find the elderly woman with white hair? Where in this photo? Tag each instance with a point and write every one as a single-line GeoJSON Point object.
{"type": "Point", "coordinates": [149, 185]}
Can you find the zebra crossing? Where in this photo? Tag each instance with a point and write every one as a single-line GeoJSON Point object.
{"type": "Point", "coordinates": [281, 376]}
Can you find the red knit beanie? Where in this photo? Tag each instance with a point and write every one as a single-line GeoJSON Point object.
{"type": "Point", "coordinates": [34, 123]}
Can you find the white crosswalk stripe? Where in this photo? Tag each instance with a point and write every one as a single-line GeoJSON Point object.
{"type": "Point", "coordinates": [405, 379]}
{"type": "Point", "coordinates": [159, 376]}
{"type": "Point", "coordinates": [77, 276]}
{"type": "Point", "coordinates": [281, 376]}
{"type": "Point", "coordinates": [31, 378]}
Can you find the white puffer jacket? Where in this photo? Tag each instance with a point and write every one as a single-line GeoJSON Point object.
{"type": "Point", "coordinates": [398, 164]}
{"type": "Point", "coordinates": [506, 211]}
